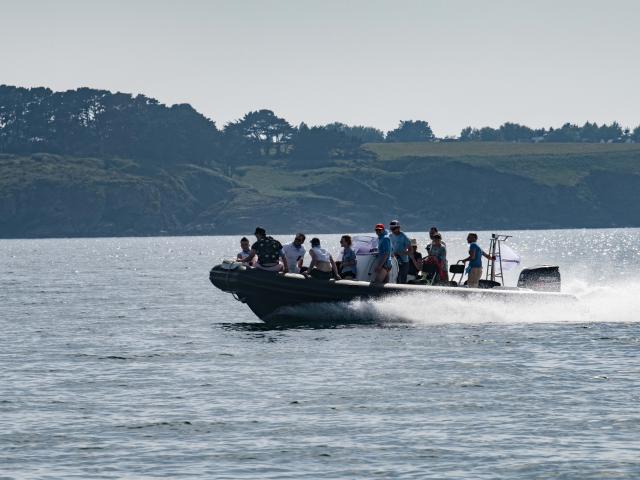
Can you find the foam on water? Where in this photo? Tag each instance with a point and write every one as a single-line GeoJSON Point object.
{"type": "Point", "coordinates": [617, 302]}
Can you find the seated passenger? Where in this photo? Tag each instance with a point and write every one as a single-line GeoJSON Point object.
{"type": "Point", "coordinates": [294, 253]}
{"type": "Point", "coordinates": [382, 263]}
{"type": "Point", "coordinates": [432, 232]}
{"type": "Point", "coordinates": [245, 249]}
{"type": "Point", "coordinates": [349, 263]}
{"type": "Point", "coordinates": [268, 250]}
{"type": "Point", "coordinates": [438, 255]}
{"type": "Point", "coordinates": [416, 265]}
{"type": "Point", "coordinates": [322, 263]}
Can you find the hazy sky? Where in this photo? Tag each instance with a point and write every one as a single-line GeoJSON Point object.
{"type": "Point", "coordinates": [453, 63]}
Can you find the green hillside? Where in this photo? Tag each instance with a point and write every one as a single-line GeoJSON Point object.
{"type": "Point", "coordinates": [546, 163]}
{"type": "Point", "coordinates": [454, 185]}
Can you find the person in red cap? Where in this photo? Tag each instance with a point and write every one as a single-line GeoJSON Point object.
{"type": "Point", "coordinates": [382, 265]}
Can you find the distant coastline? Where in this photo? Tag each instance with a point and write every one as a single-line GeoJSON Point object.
{"type": "Point", "coordinates": [44, 195]}
{"type": "Point", "coordinates": [89, 163]}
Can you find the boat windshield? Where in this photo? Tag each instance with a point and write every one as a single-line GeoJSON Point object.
{"type": "Point", "coordinates": [365, 245]}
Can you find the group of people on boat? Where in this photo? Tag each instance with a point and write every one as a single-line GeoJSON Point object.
{"type": "Point", "coordinates": [269, 254]}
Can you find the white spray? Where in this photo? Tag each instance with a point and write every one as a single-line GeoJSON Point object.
{"type": "Point", "coordinates": [618, 302]}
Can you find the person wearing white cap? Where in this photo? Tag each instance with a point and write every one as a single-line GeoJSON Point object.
{"type": "Point", "coordinates": [401, 249]}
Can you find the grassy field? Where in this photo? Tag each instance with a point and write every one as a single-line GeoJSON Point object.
{"type": "Point", "coordinates": [392, 151]}
{"type": "Point", "coordinates": [552, 164]}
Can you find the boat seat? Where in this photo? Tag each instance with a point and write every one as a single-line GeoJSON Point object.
{"type": "Point", "coordinates": [456, 269]}
{"type": "Point", "coordinates": [430, 272]}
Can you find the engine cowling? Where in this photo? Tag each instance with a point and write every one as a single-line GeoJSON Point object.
{"type": "Point", "coordinates": [543, 278]}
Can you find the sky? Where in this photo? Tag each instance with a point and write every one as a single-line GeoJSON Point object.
{"type": "Point", "coordinates": [454, 63]}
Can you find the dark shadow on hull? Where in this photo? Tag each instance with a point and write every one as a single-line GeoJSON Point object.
{"type": "Point", "coordinates": [318, 315]}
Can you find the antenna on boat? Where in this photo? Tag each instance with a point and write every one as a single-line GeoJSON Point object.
{"type": "Point", "coordinates": [495, 251]}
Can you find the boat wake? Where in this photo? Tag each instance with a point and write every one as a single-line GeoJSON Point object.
{"type": "Point", "coordinates": [611, 303]}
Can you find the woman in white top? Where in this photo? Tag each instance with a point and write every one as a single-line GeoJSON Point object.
{"type": "Point", "coordinates": [322, 263]}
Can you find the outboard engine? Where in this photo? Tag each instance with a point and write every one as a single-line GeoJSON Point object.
{"type": "Point", "coordinates": [366, 248]}
{"type": "Point", "coordinates": [544, 278]}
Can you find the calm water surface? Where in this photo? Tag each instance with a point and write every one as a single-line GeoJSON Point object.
{"type": "Point", "coordinates": [120, 360]}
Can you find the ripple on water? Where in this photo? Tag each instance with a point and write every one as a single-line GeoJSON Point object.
{"type": "Point", "coordinates": [136, 367]}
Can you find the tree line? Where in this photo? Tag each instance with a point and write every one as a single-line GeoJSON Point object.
{"type": "Point", "coordinates": [90, 122]}
{"type": "Point", "coordinates": [569, 132]}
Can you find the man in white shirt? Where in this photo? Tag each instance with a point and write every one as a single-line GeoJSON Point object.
{"type": "Point", "coordinates": [294, 253]}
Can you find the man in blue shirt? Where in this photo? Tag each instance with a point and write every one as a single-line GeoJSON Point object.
{"type": "Point", "coordinates": [382, 265]}
{"type": "Point", "coordinates": [474, 269]}
{"type": "Point", "coordinates": [402, 250]}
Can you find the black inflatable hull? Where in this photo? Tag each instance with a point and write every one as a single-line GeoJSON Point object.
{"type": "Point", "coordinates": [268, 294]}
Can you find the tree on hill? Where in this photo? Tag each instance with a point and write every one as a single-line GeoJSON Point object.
{"type": "Point", "coordinates": [100, 123]}
{"type": "Point", "coordinates": [411, 131]}
{"type": "Point", "coordinates": [508, 132]}
{"type": "Point", "coordinates": [514, 132]}
{"type": "Point", "coordinates": [317, 145]}
{"type": "Point", "coordinates": [590, 132]}
{"type": "Point", "coordinates": [635, 135]}
{"type": "Point", "coordinates": [488, 134]}
{"type": "Point", "coordinates": [469, 134]}
{"type": "Point", "coordinates": [364, 134]}
{"type": "Point", "coordinates": [610, 133]}
{"type": "Point", "coordinates": [262, 132]}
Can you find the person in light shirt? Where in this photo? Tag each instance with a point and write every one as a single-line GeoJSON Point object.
{"type": "Point", "coordinates": [401, 250]}
{"type": "Point", "coordinates": [294, 253]}
{"type": "Point", "coordinates": [322, 264]}
{"type": "Point", "coordinates": [245, 249]}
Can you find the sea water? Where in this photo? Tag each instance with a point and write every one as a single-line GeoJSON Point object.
{"type": "Point", "coordinates": [119, 359]}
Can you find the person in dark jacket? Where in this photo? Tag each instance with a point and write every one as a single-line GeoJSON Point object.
{"type": "Point", "coordinates": [414, 271]}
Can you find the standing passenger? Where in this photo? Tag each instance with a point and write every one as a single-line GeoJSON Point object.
{"type": "Point", "coordinates": [474, 269]}
{"type": "Point", "coordinates": [383, 259]}
{"type": "Point", "coordinates": [349, 260]}
{"type": "Point", "coordinates": [401, 246]}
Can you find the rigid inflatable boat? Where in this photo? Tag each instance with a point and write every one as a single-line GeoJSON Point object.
{"type": "Point", "coordinates": [267, 293]}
